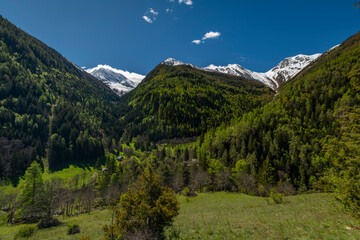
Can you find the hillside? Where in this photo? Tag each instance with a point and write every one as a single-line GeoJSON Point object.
{"type": "Point", "coordinates": [50, 110]}
{"type": "Point", "coordinates": [284, 140]}
{"type": "Point", "coordinates": [182, 101]}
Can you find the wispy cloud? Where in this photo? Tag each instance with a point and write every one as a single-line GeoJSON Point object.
{"type": "Point", "coordinates": [152, 11]}
{"type": "Point", "coordinates": [209, 35]}
{"type": "Point", "coordinates": [169, 10]}
{"type": "Point", "coordinates": [150, 15]}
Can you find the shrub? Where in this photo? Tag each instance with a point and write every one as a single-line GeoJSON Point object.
{"type": "Point", "coordinates": [276, 198]}
{"type": "Point", "coordinates": [144, 211]}
{"type": "Point", "coordinates": [47, 223]}
{"type": "Point", "coordinates": [73, 229]}
{"type": "Point", "coordinates": [186, 191]}
{"type": "Point", "coordinates": [286, 188]}
{"type": "Point", "coordinates": [2, 217]}
{"type": "Point", "coordinates": [25, 232]}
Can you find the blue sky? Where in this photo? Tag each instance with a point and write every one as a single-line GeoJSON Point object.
{"type": "Point", "coordinates": [255, 34]}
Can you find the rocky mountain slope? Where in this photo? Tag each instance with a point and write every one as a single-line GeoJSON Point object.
{"type": "Point", "coordinates": [118, 80]}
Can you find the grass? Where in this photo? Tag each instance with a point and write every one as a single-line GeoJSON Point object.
{"type": "Point", "coordinates": [237, 216]}
{"type": "Point", "coordinates": [90, 225]}
{"type": "Point", "coordinates": [230, 216]}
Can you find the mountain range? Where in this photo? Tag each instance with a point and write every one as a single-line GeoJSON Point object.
{"type": "Point", "coordinates": [122, 82]}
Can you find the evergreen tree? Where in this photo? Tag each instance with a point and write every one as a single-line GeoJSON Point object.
{"type": "Point", "coordinates": [32, 196]}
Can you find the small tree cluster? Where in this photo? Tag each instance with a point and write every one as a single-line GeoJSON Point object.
{"type": "Point", "coordinates": [146, 209]}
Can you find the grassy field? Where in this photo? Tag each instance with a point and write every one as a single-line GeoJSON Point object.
{"type": "Point", "coordinates": [231, 216]}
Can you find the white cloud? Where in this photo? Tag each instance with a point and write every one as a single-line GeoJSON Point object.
{"type": "Point", "coordinates": [210, 35]}
{"type": "Point", "coordinates": [168, 10]}
{"type": "Point", "coordinates": [187, 2]}
{"type": "Point", "coordinates": [152, 11]}
{"type": "Point", "coordinates": [150, 15]}
{"type": "Point", "coordinates": [146, 18]}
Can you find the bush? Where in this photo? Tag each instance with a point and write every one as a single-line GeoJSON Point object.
{"type": "Point", "coordinates": [186, 191]}
{"type": "Point", "coordinates": [25, 232]}
{"type": "Point", "coordinates": [276, 198]}
{"type": "Point", "coordinates": [2, 217]}
{"type": "Point", "coordinates": [47, 223]}
{"type": "Point", "coordinates": [73, 229]}
{"type": "Point", "coordinates": [144, 211]}
{"type": "Point", "coordinates": [286, 188]}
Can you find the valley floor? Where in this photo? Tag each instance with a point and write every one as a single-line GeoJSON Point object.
{"type": "Point", "coordinates": [231, 216]}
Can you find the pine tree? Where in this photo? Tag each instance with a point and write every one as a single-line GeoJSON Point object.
{"type": "Point", "coordinates": [32, 196]}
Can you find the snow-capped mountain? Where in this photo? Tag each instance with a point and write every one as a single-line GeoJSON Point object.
{"type": "Point", "coordinates": [174, 62]}
{"type": "Point", "coordinates": [119, 81]}
{"type": "Point", "coordinates": [276, 76]}
{"type": "Point", "coordinates": [273, 78]}
{"type": "Point", "coordinates": [289, 67]}
{"type": "Point", "coordinates": [237, 70]}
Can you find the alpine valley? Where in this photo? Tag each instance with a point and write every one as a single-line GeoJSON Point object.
{"type": "Point", "coordinates": [185, 152]}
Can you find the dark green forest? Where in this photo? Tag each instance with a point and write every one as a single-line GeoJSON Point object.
{"type": "Point", "coordinates": [181, 101]}
{"type": "Point", "coordinates": [285, 140]}
{"type": "Point", "coordinates": [50, 111]}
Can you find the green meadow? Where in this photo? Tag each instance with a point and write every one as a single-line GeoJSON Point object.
{"type": "Point", "coordinates": [229, 216]}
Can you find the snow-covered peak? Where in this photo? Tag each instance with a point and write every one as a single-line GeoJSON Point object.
{"type": "Point", "coordinates": [273, 78]}
{"type": "Point", "coordinates": [174, 62]}
{"type": "Point", "coordinates": [289, 67]}
{"type": "Point", "coordinates": [118, 80]}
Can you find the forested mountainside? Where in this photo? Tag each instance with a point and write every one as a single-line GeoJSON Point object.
{"type": "Point", "coordinates": [288, 139]}
{"type": "Point", "coordinates": [50, 111]}
{"type": "Point", "coordinates": [182, 101]}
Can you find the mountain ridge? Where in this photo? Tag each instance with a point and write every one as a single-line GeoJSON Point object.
{"type": "Point", "coordinates": [273, 78]}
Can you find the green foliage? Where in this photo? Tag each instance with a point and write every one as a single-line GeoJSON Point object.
{"type": "Point", "coordinates": [146, 209]}
{"type": "Point", "coordinates": [174, 102]}
{"type": "Point", "coordinates": [186, 191]}
{"type": "Point", "coordinates": [73, 229]}
{"type": "Point", "coordinates": [33, 194]}
{"type": "Point", "coordinates": [343, 151]}
{"type": "Point", "coordinates": [25, 232]}
{"type": "Point", "coordinates": [50, 110]}
{"type": "Point", "coordinates": [282, 141]}
{"type": "Point", "coordinates": [3, 217]}
{"type": "Point", "coordinates": [275, 197]}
